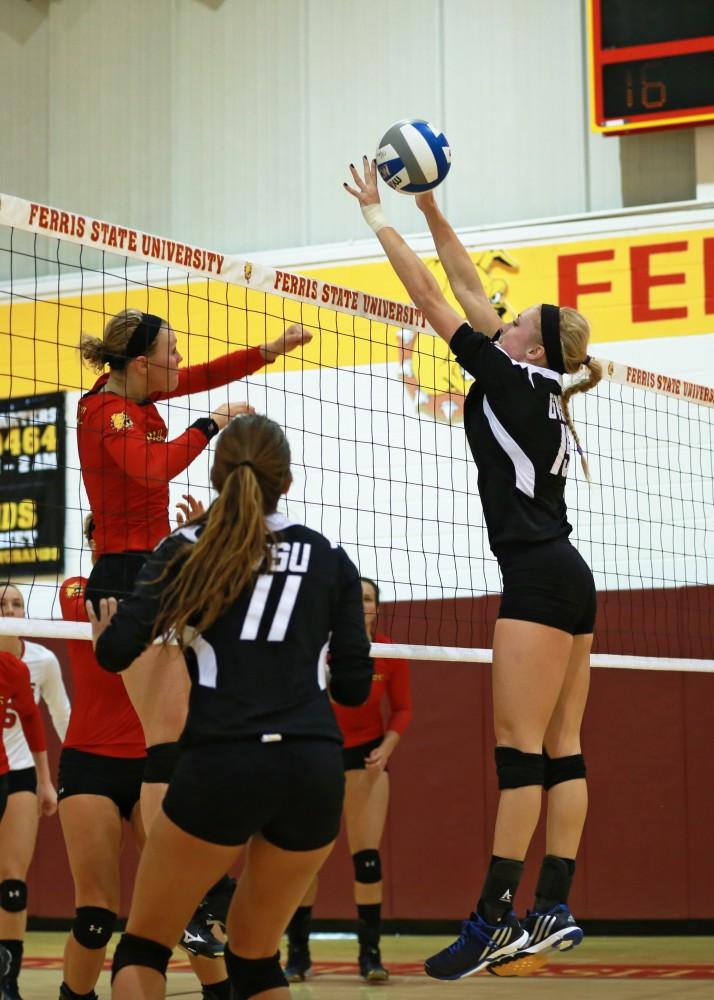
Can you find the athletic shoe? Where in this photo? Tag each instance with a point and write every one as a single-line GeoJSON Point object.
{"type": "Point", "coordinates": [216, 904]}
{"type": "Point", "coordinates": [299, 964]}
{"type": "Point", "coordinates": [370, 965]}
{"type": "Point", "coordinates": [555, 928]}
{"type": "Point", "coordinates": [64, 995]}
{"type": "Point", "coordinates": [199, 939]}
{"type": "Point", "coordinates": [477, 946]}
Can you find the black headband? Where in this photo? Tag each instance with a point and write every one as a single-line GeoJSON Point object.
{"type": "Point", "coordinates": [550, 332]}
{"type": "Point", "coordinates": [143, 336]}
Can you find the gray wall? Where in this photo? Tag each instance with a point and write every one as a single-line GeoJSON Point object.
{"type": "Point", "coordinates": [229, 123]}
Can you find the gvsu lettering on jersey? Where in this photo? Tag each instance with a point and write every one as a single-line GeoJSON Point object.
{"type": "Point", "coordinates": [291, 557]}
{"type": "Point", "coordinates": [555, 411]}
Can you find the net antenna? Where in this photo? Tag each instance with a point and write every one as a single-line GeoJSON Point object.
{"type": "Point", "coordinates": [373, 410]}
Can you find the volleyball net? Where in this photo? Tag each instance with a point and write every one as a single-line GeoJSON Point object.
{"type": "Point", "coordinates": [373, 410]}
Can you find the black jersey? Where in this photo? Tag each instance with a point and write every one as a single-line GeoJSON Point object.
{"type": "Point", "coordinates": [516, 429]}
{"type": "Point", "coordinates": [260, 669]}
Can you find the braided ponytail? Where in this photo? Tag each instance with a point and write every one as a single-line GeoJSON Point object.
{"type": "Point", "coordinates": [574, 337]}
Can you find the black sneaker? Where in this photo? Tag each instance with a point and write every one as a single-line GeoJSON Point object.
{"type": "Point", "coordinates": [216, 904]}
{"type": "Point", "coordinates": [370, 965]}
{"type": "Point", "coordinates": [64, 995]}
{"type": "Point", "coordinates": [555, 928]}
{"type": "Point", "coordinates": [298, 965]}
{"type": "Point", "coordinates": [477, 946]}
{"type": "Point", "coordinates": [199, 939]}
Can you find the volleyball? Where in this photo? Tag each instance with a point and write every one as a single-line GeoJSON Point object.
{"type": "Point", "coordinates": [413, 156]}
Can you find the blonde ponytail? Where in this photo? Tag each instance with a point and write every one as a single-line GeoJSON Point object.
{"type": "Point", "coordinates": [574, 338]}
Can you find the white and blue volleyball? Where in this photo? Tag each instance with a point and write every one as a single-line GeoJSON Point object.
{"type": "Point", "coordinates": [413, 156]}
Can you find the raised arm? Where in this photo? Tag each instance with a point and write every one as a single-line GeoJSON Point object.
{"type": "Point", "coordinates": [412, 272]}
{"type": "Point", "coordinates": [237, 364]}
{"type": "Point", "coordinates": [463, 276]}
{"type": "Point", "coordinates": [161, 461]}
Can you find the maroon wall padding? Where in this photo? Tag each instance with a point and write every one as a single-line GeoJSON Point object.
{"type": "Point", "coordinates": [649, 744]}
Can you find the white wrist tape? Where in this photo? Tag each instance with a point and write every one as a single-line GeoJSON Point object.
{"type": "Point", "coordinates": [374, 217]}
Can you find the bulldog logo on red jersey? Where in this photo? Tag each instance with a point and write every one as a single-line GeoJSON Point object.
{"type": "Point", "coordinates": [121, 421]}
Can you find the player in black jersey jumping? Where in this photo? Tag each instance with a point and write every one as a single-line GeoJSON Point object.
{"type": "Point", "coordinates": [265, 601]}
{"type": "Point", "coordinates": [517, 419]}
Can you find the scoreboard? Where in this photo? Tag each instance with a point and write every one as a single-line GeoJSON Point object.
{"type": "Point", "coordinates": [32, 485]}
{"type": "Point", "coordinates": [651, 64]}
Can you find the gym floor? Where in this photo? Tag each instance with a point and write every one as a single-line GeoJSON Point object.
{"type": "Point", "coordinates": [621, 968]}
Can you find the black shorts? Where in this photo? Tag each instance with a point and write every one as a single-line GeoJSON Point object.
{"type": "Point", "coordinates": [22, 780]}
{"type": "Point", "coordinates": [353, 757]}
{"type": "Point", "coordinates": [551, 584]}
{"type": "Point", "coordinates": [113, 575]}
{"type": "Point", "coordinates": [3, 794]}
{"type": "Point", "coordinates": [115, 778]}
{"type": "Point", "coordinates": [289, 791]}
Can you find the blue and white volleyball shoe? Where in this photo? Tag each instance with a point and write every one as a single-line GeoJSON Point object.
{"type": "Point", "coordinates": [553, 929]}
{"type": "Point", "coordinates": [478, 945]}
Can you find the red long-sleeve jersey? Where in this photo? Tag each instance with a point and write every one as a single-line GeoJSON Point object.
{"type": "Point", "coordinates": [366, 723]}
{"type": "Point", "coordinates": [126, 461]}
{"type": "Point", "coordinates": [103, 720]}
{"type": "Point", "coordinates": [16, 700]}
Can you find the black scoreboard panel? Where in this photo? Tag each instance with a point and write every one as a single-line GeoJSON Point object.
{"type": "Point", "coordinates": [652, 64]}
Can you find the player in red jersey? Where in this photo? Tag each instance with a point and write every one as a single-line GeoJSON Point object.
{"type": "Point", "coordinates": [100, 775]}
{"type": "Point", "coordinates": [17, 700]}
{"type": "Point", "coordinates": [368, 746]}
{"type": "Point", "coordinates": [127, 463]}
{"type": "Point", "coordinates": [28, 798]}
{"type": "Point", "coordinates": [16, 695]}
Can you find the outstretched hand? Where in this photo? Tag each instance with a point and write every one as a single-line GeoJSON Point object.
{"type": "Point", "coordinates": [366, 191]}
{"type": "Point", "coordinates": [224, 413]}
{"type": "Point", "coordinates": [189, 510]}
{"type": "Point", "coordinates": [295, 336]}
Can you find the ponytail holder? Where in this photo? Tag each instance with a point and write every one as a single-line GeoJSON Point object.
{"type": "Point", "coordinates": [245, 462]}
{"type": "Point", "coordinates": [587, 360]}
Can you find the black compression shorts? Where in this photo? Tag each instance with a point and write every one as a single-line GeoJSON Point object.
{"type": "Point", "coordinates": [548, 583]}
{"type": "Point", "coordinates": [113, 575]}
{"type": "Point", "coordinates": [115, 778]}
{"type": "Point", "coordinates": [3, 794]}
{"type": "Point", "coordinates": [22, 780]}
{"type": "Point", "coordinates": [289, 791]}
{"type": "Point", "coordinates": [353, 757]}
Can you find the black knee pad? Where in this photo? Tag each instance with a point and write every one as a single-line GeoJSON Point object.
{"type": "Point", "coordinates": [133, 950]}
{"type": "Point", "coordinates": [93, 926]}
{"type": "Point", "coordinates": [161, 761]}
{"type": "Point", "coordinates": [368, 867]}
{"type": "Point", "coordinates": [516, 769]}
{"type": "Point", "coordinates": [13, 895]}
{"type": "Point", "coordinates": [559, 769]}
{"type": "Point", "coordinates": [254, 975]}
